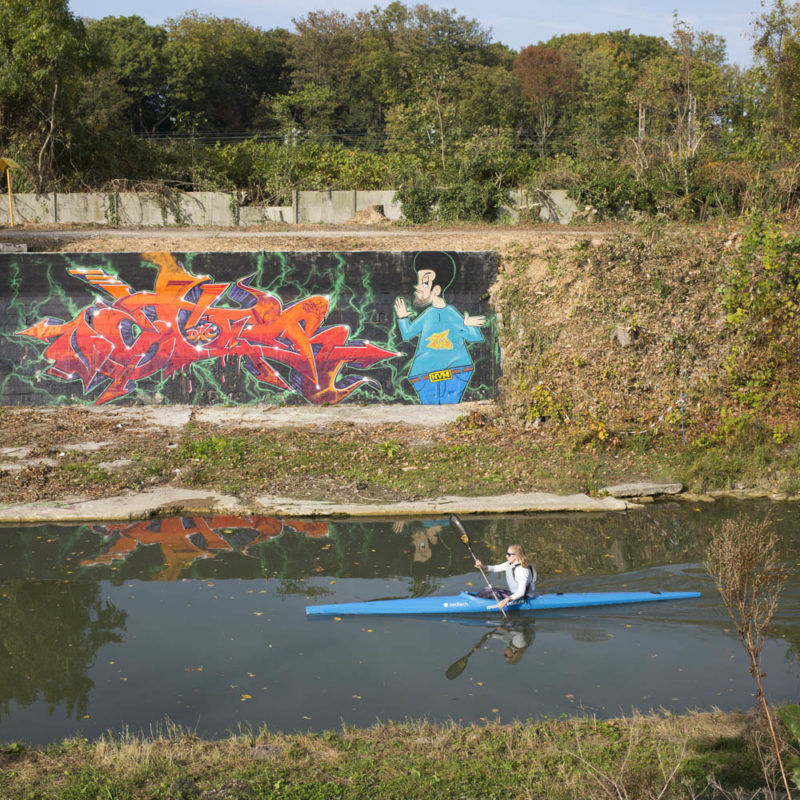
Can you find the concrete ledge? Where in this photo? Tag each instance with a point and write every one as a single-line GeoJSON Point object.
{"type": "Point", "coordinates": [643, 489]}
{"type": "Point", "coordinates": [168, 501]}
{"type": "Point", "coordinates": [500, 504]}
{"type": "Point", "coordinates": [160, 502]}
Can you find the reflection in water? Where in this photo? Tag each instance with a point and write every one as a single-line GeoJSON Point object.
{"type": "Point", "coordinates": [515, 636]}
{"type": "Point", "coordinates": [49, 637]}
{"type": "Point", "coordinates": [133, 591]}
{"type": "Point", "coordinates": [563, 547]}
{"type": "Point", "coordinates": [185, 539]}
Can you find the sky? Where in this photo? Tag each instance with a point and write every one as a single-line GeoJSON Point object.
{"type": "Point", "coordinates": [516, 23]}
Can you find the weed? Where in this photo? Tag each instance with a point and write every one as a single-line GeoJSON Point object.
{"type": "Point", "coordinates": [391, 448]}
{"type": "Point", "coordinates": [743, 560]}
{"type": "Point", "coordinates": [212, 448]}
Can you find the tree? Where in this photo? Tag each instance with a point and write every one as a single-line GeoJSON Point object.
{"type": "Point", "coordinates": [220, 71]}
{"type": "Point", "coordinates": [43, 59]}
{"type": "Point", "coordinates": [325, 59]}
{"type": "Point", "coordinates": [686, 90]}
{"type": "Point", "coordinates": [601, 113]}
{"type": "Point", "coordinates": [133, 52]}
{"type": "Point", "coordinates": [776, 47]}
{"type": "Point", "coordinates": [547, 79]}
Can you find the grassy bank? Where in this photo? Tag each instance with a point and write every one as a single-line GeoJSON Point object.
{"type": "Point", "coordinates": [709, 755]}
{"type": "Point", "coordinates": [488, 452]}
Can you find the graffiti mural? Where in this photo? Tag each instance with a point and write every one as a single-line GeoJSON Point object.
{"type": "Point", "coordinates": [181, 322]}
{"type": "Point", "coordinates": [211, 328]}
{"type": "Point", "coordinates": [442, 366]}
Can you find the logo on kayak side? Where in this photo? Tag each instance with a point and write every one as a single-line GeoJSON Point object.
{"type": "Point", "coordinates": [455, 605]}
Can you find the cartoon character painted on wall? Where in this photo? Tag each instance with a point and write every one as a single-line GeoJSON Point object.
{"type": "Point", "coordinates": [442, 366]}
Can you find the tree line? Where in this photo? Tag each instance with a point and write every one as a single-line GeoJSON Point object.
{"type": "Point", "coordinates": [406, 97]}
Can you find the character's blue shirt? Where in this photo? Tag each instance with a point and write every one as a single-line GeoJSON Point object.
{"type": "Point", "coordinates": [442, 339]}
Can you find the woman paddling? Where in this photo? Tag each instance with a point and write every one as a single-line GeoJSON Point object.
{"type": "Point", "coordinates": [520, 574]}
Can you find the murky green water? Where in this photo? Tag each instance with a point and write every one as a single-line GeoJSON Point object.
{"type": "Point", "coordinates": [202, 621]}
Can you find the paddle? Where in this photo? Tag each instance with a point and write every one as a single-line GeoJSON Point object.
{"type": "Point", "coordinates": [457, 667]}
{"type": "Point", "coordinates": [456, 523]}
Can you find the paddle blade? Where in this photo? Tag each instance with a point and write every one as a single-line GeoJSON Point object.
{"type": "Point", "coordinates": [455, 669]}
{"type": "Point", "coordinates": [455, 522]}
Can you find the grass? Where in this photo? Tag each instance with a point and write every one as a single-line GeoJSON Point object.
{"type": "Point", "coordinates": [484, 454]}
{"type": "Point", "coordinates": [641, 756]}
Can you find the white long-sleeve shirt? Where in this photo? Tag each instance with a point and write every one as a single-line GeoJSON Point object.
{"type": "Point", "coordinates": [521, 580]}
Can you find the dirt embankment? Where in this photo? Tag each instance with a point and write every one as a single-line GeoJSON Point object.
{"type": "Point", "coordinates": [616, 358]}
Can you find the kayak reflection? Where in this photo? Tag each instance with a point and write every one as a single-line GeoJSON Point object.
{"type": "Point", "coordinates": [516, 636]}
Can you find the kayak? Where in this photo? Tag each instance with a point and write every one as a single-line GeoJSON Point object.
{"type": "Point", "coordinates": [466, 603]}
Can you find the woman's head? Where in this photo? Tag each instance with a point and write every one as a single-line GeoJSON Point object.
{"type": "Point", "coordinates": [515, 552]}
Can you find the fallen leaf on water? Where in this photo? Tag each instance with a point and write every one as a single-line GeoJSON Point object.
{"type": "Point", "coordinates": [258, 613]}
{"type": "Point", "coordinates": [250, 675]}
{"type": "Point", "coordinates": [86, 716]}
{"type": "Point", "coordinates": [337, 619]}
{"type": "Point", "coordinates": [330, 583]}
{"type": "Point", "coordinates": [246, 697]}
{"type": "Point", "coordinates": [480, 683]}
{"type": "Point", "coordinates": [628, 626]}
{"type": "Point", "coordinates": [570, 697]}
{"type": "Point", "coordinates": [495, 711]}
{"type": "Point", "coordinates": [469, 583]}
{"type": "Point", "coordinates": [356, 696]}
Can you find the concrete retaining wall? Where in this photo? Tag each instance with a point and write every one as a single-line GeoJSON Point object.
{"type": "Point", "coordinates": [220, 209]}
{"type": "Point", "coordinates": [211, 328]}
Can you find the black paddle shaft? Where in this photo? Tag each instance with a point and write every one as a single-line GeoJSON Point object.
{"type": "Point", "coordinates": [455, 522]}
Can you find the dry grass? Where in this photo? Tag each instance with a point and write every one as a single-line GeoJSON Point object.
{"type": "Point", "coordinates": [643, 757]}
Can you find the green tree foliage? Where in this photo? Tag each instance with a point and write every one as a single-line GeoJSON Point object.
{"type": "Point", "coordinates": [220, 71]}
{"type": "Point", "coordinates": [133, 53]}
{"type": "Point", "coordinates": [776, 48]}
{"type": "Point", "coordinates": [407, 97]}
{"type": "Point", "coordinates": [44, 58]}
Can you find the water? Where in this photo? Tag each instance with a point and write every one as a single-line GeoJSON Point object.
{"type": "Point", "coordinates": [201, 621]}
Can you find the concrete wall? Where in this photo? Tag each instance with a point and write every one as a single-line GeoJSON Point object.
{"type": "Point", "coordinates": [210, 328]}
{"type": "Point", "coordinates": [221, 209]}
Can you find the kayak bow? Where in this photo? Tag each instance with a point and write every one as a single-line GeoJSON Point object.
{"type": "Point", "coordinates": [466, 603]}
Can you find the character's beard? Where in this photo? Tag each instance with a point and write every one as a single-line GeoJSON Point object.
{"type": "Point", "coordinates": [422, 301]}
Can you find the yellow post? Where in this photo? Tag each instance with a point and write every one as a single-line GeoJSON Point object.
{"type": "Point", "coordinates": [10, 202]}
{"type": "Point", "coordinates": [8, 164]}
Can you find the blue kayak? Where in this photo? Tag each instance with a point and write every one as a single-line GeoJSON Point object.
{"type": "Point", "coordinates": [466, 603]}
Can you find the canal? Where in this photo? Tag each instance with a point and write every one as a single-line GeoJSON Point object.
{"type": "Point", "coordinates": [200, 622]}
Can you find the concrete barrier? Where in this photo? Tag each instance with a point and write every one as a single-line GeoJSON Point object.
{"type": "Point", "coordinates": [221, 209]}
{"type": "Point", "coordinates": [220, 328]}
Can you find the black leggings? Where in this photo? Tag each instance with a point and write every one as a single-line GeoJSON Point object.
{"type": "Point", "coordinates": [490, 593]}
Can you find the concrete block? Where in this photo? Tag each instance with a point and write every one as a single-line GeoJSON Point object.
{"type": "Point", "coordinates": [380, 197]}
{"type": "Point", "coordinates": [28, 207]}
{"type": "Point", "coordinates": [91, 208]}
{"type": "Point", "coordinates": [258, 215]}
{"type": "Point", "coordinates": [207, 208]}
{"type": "Point", "coordinates": [136, 208]}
